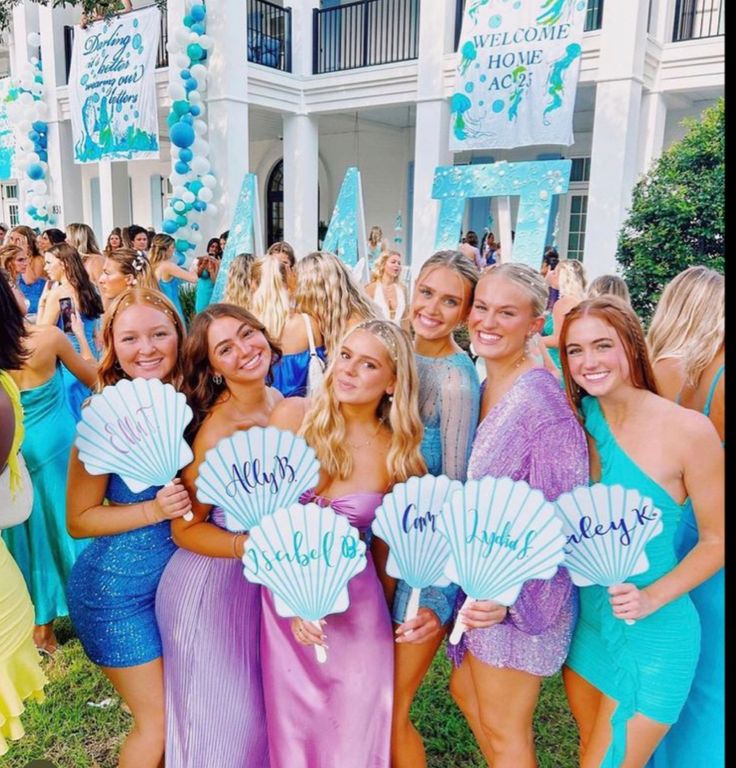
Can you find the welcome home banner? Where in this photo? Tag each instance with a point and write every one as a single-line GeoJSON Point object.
{"type": "Point", "coordinates": [112, 92]}
{"type": "Point", "coordinates": [517, 73]}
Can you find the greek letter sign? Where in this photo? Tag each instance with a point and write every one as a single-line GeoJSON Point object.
{"type": "Point", "coordinates": [112, 92]}
{"type": "Point", "coordinates": [517, 73]}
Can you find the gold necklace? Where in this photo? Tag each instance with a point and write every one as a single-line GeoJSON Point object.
{"type": "Point", "coordinates": [365, 444]}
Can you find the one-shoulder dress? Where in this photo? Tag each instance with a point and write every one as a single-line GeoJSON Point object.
{"type": "Point", "coordinates": [647, 666]}
{"type": "Point", "coordinates": [112, 587]}
{"type": "Point", "coordinates": [337, 714]}
{"type": "Point", "coordinates": [41, 546]}
{"type": "Point", "coordinates": [209, 616]}
{"type": "Point", "coordinates": [700, 732]}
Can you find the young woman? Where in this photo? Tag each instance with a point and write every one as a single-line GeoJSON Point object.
{"type": "Point", "coordinates": [285, 254]}
{"type": "Point", "coordinates": [208, 613]}
{"type": "Point", "coordinates": [364, 427]}
{"type": "Point", "coordinates": [112, 587]}
{"type": "Point", "coordinates": [69, 280]}
{"type": "Point", "coordinates": [33, 279]}
{"type": "Point", "coordinates": [386, 289]}
{"type": "Point", "coordinates": [376, 245]}
{"type": "Point", "coordinates": [269, 301]}
{"type": "Point", "coordinates": [207, 268]}
{"type": "Point", "coordinates": [168, 274]}
{"type": "Point", "coordinates": [612, 285]}
{"type": "Point", "coordinates": [326, 291]}
{"type": "Point", "coordinates": [81, 237]}
{"type": "Point", "coordinates": [125, 268]}
{"type": "Point", "coordinates": [14, 261]}
{"type": "Point", "coordinates": [238, 288]}
{"type": "Point", "coordinates": [527, 432]}
{"type": "Point", "coordinates": [636, 645]}
{"type": "Point", "coordinates": [687, 346]}
{"type": "Point", "coordinates": [449, 395]}
{"type": "Point", "coordinates": [568, 279]}
{"type": "Point", "coordinates": [49, 238]}
{"type": "Point", "coordinates": [114, 241]}
{"type": "Point", "coordinates": [41, 546]}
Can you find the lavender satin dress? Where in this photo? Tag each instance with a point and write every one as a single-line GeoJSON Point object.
{"type": "Point", "coordinates": [336, 714]}
{"type": "Point", "coordinates": [209, 617]}
{"type": "Point", "coordinates": [530, 434]}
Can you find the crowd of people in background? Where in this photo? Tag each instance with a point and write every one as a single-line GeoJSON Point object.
{"type": "Point", "coordinates": [374, 377]}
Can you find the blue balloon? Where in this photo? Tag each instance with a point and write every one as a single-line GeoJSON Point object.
{"type": "Point", "coordinates": [195, 186]}
{"type": "Point", "coordinates": [33, 136]}
{"type": "Point", "coordinates": [31, 210]}
{"type": "Point", "coordinates": [194, 226]}
{"type": "Point", "coordinates": [198, 27]}
{"type": "Point", "coordinates": [188, 119]}
{"type": "Point", "coordinates": [44, 156]}
{"type": "Point", "coordinates": [35, 171]}
{"type": "Point", "coordinates": [186, 155]}
{"type": "Point", "coordinates": [199, 206]}
{"type": "Point", "coordinates": [197, 12]}
{"type": "Point", "coordinates": [190, 85]}
{"type": "Point", "coordinates": [42, 142]}
{"type": "Point", "coordinates": [181, 245]}
{"type": "Point", "coordinates": [169, 226]}
{"type": "Point", "coordinates": [39, 126]}
{"type": "Point", "coordinates": [195, 110]}
{"type": "Point", "coordinates": [188, 20]}
{"type": "Point", "coordinates": [185, 74]}
{"type": "Point", "coordinates": [181, 167]}
{"type": "Point", "coordinates": [180, 259]}
{"type": "Point", "coordinates": [182, 135]}
{"type": "Point", "coordinates": [195, 51]}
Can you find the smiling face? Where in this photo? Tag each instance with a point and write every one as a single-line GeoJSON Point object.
{"type": "Point", "coordinates": [362, 373]}
{"type": "Point", "coordinates": [213, 249]}
{"type": "Point", "coordinates": [596, 356]}
{"type": "Point", "coordinates": [439, 303]}
{"type": "Point", "coordinates": [145, 342]}
{"type": "Point", "coordinates": [237, 351]}
{"type": "Point", "coordinates": [53, 266]}
{"type": "Point", "coordinates": [112, 281]}
{"type": "Point", "coordinates": [501, 319]}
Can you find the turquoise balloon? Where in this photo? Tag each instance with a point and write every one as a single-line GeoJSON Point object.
{"type": "Point", "coordinates": [195, 51]}
{"type": "Point", "coordinates": [181, 220]}
{"type": "Point", "coordinates": [172, 119]}
{"type": "Point", "coordinates": [188, 21]}
{"type": "Point", "coordinates": [195, 186]}
{"type": "Point", "coordinates": [180, 107]}
{"type": "Point", "coordinates": [182, 245]}
{"type": "Point", "coordinates": [197, 12]}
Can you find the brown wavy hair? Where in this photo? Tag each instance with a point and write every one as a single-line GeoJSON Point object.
{"type": "Point", "coordinates": [108, 370]}
{"type": "Point", "coordinates": [90, 303]}
{"type": "Point", "coordinates": [198, 386]}
{"type": "Point", "coordinates": [615, 312]}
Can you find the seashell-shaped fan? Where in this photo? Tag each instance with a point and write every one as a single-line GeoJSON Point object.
{"type": "Point", "coordinates": [607, 528]}
{"type": "Point", "coordinates": [136, 430]}
{"type": "Point", "coordinates": [252, 473]}
{"type": "Point", "coordinates": [501, 533]}
{"type": "Point", "coordinates": [305, 555]}
{"type": "Point", "coordinates": [407, 521]}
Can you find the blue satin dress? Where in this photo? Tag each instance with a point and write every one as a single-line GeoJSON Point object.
{"type": "Point", "coordinates": [41, 546]}
{"type": "Point", "coordinates": [76, 391]}
{"type": "Point", "coordinates": [112, 587]}
{"type": "Point", "coordinates": [170, 289]}
{"type": "Point", "coordinates": [290, 375]}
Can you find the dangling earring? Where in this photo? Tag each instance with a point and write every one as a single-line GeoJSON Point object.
{"type": "Point", "coordinates": [217, 379]}
{"type": "Point", "coordinates": [391, 398]}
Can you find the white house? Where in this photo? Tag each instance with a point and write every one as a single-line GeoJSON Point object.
{"type": "Point", "coordinates": [299, 91]}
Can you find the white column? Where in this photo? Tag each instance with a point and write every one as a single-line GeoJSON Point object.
{"type": "Point", "coordinates": [653, 121]}
{"type": "Point", "coordinates": [616, 125]}
{"type": "Point", "coordinates": [431, 132]}
{"type": "Point", "coordinates": [301, 179]}
{"type": "Point", "coordinates": [227, 107]}
{"type": "Point", "coordinates": [23, 25]}
{"type": "Point", "coordinates": [301, 35]}
{"type": "Point", "coordinates": [114, 196]}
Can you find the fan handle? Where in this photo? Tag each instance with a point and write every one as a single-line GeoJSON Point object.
{"type": "Point", "coordinates": [459, 628]}
{"type": "Point", "coordinates": [412, 608]}
{"type": "Point", "coordinates": [319, 651]}
{"type": "Point", "coordinates": [188, 516]}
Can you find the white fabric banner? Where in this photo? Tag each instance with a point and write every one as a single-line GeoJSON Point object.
{"type": "Point", "coordinates": [517, 73]}
{"type": "Point", "coordinates": [112, 91]}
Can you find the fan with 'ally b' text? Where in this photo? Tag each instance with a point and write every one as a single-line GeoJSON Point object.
{"type": "Point", "coordinates": [135, 429]}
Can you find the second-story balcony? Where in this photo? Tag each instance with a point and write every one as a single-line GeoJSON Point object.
{"type": "Point", "coordinates": [698, 19]}
{"type": "Point", "coordinates": [269, 35]}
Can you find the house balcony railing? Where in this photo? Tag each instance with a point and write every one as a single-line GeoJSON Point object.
{"type": "Point", "coordinates": [593, 17]}
{"type": "Point", "coordinates": [269, 35]}
{"type": "Point", "coordinates": [162, 55]}
{"type": "Point", "coordinates": [364, 34]}
{"type": "Point", "coordinates": [698, 19]}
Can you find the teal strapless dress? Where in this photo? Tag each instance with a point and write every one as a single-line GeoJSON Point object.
{"type": "Point", "coordinates": [41, 546]}
{"type": "Point", "coordinates": [203, 291]}
{"type": "Point", "coordinates": [170, 289]}
{"type": "Point", "coordinates": [698, 737]}
{"type": "Point", "coordinates": [648, 666]}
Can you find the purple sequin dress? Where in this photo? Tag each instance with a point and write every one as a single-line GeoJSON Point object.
{"type": "Point", "coordinates": [530, 434]}
{"type": "Point", "coordinates": [336, 714]}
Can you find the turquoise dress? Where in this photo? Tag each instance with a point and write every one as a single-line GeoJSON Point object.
{"type": "Point", "coordinates": [548, 330]}
{"type": "Point", "coordinates": [76, 391]}
{"type": "Point", "coordinates": [648, 666]}
{"type": "Point", "coordinates": [701, 729]}
{"type": "Point", "coordinates": [203, 291]}
{"type": "Point", "coordinates": [170, 289]}
{"type": "Point", "coordinates": [112, 587]}
{"type": "Point", "coordinates": [42, 548]}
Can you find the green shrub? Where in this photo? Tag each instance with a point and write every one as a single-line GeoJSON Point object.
{"type": "Point", "coordinates": [187, 292]}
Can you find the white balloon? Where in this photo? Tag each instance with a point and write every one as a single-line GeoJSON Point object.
{"type": "Point", "coordinates": [205, 194]}
{"type": "Point", "coordinates": [195, 97]}
{"type": "Point", "coordinates": [42, 108]}
{"type": "Point", "coordinates": [200, 128]}
{"type": "Point", "coordinates": [188, 196]}
{"type": "Point", "coordinates": [182, 35]}
{"type": "Point", "coordinates": [176, 91]}
{"type": "Point", "coordinates": [38, 200]}
{"type": "Point", "coordinates": [199, 71]}
{"type": "Point", "coordinates": [42, 211]}
{"type": "Point", "coordinates": [34, 39]}
{"type": "Point", "coordinates": [33, 157]}
{"type": "Point", "coordinates": [181, 60]}
{"type": "Point", "coordinates": [200, 165]}
{"type": "Point", "coordinates": [196, 237]}
{"type": "Point", "coordinates": [205, 41]}
{"type": "Point", "coordinates": [201, 147]}
{"type": "Point", "coordinates": [211, 209]}
{"type": "Point", "coordinates": [209, 181]}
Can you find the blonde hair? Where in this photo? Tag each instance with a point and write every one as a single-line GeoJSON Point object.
{"type": "Point", "coordinates": [159, 250]}
{"type": "Point", "coordinates": [609, 285]}
{"type": "Point", "coordinates": [375, 236]}
{"type": "Point", "coordinates": [380, 264]}
{"type": "Point", "coordinates": [81, 237]}
{"type": "Point", "coordinates": [270, 299]}
{"type": "Point", "coordinates": [324, 425]}
{"type": "Point", "coordinates": [526, 278]}
{"type": "Point", "coordinates": [135, 264]}
{"type": "Point", "coordinates": [8, 255]}
{"type": "Point", "coordinates": [572, 278]}
{"type": "Point", "coordinates": [238, 286]}
{"type": "Point", "coordinates": [108, 370]}
{"type": "Point", "coordinates": [689, 321]}
{"type": "Point", "coordinates": [326, 291]}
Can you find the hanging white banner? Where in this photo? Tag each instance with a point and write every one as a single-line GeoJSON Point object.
{"type": "Point", "coordinates": [517, 73]}
{"type": "Point", "coordinates": [112, 91]}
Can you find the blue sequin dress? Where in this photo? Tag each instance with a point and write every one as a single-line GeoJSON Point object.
{"type": "Point", "coordinates": [449, 403]}
{"type": "Point", "coordinates": [112, 587]}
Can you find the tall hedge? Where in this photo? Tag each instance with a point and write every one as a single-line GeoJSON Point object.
{"type": "Point", "coordinates": [677, 213]}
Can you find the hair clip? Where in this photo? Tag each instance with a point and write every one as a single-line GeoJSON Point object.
{"type": "Point", "coordinates": [380, 328]}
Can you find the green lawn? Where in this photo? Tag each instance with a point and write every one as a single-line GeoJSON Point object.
{"type": "Point", "coordinates": [72, 734]}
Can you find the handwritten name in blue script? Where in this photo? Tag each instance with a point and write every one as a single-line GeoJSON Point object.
{"type": "Point", "coordinates": [130, 430]}
{"type": "Point", "coordinates": [302, 555]}
{"type": "Point", "coordinates": [499, 539]}
{"type": "Point", "coordinates": [412, 520]}
{"type": "Point", "coordinates": [588, 529]}
{"type": "Point", "coordinates": [252, 475]}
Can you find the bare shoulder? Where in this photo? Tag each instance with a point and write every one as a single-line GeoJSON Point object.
{"type": "Point", "coordinates": [686, 426]}
{"type": "Point", "coordinates": [370, 289]}
{"type": "Point", "coordinates": [289, 413]}
{"type": "Point", "coordinates": [670, 376]}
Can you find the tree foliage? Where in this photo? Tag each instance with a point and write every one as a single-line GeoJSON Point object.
{"type": "Point", "coordinates": [90, 8]}
{"type": "Point", "coordinates": [676, 218]}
